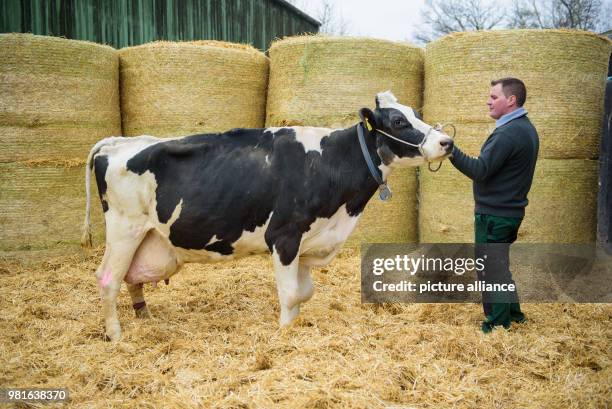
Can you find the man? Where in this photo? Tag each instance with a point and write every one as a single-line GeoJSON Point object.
{"type": "Point", "coordinates": [502, 177]}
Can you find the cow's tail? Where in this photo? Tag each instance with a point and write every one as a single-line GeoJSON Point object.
{"type": "Point", "coordinates": [86, 241]}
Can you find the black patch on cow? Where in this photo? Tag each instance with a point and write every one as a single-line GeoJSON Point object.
{"type": "Point", "coordinates": [221, 247]}
{"type": "Point", "coordinates": [101, 164]}
{"type": "Point", "coordinates": [223, 182]}
{"type": "Point", "coordinates": [231, 182]}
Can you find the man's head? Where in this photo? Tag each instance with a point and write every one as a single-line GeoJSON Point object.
{"type": "Point", "coordinates": [506, 95]}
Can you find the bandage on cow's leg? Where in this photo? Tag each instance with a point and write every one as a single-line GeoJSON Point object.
{"type": "Point", "coordinates": [138, 301]}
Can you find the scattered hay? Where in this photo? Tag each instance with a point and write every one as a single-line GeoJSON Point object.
{"type": "Point", "coordinates": [562, 204]}
{"type": "Point", "coordinates": [215, 343]}
{"type": "Point", "coordinates": [59, 97]}
{"type": "Point", "coordinates": [324, 81]}
{"type": "Point", "coordinates": [182, 88]}
{"type": "Point", "coordinates": [564, 71]}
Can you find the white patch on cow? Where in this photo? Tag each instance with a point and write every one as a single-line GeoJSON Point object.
{"type": "Point", "coordinates": [127, 192]}
{"type": "Point", "coordinates": [252, 242]}
{"type": "Point", "coordinates": [175, 214]}
{"type": "Point", "coordinates": [326, 237]}
{"type": "Point", "coordinates": [213, 240]}
{"type": "Point", "coordinates": [385, 170]}
{"type": "Point", "coordinates": [309, 136]}
{"type": "Point", "coordinates": [268, 160]}
{"type": "Point", "coordinates": [249, 243]}
{"type": "Point", "coordinates": [398, 162]}
{"type": "Point", "coordinates": [432, 148]}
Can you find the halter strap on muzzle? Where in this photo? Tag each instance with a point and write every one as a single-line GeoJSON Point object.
{"type": "Point", "coordinates": [437, 127]}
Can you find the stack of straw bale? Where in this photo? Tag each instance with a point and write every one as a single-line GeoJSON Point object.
{"type": "Point", "coordinates": [58, 98]}
{"type": "Point", "coordinates": [182, 88]}
{"type": "Point", "coordinates": [564, 72]}
{"type": "Point", "coordinates": [561, 204]}
{"type": "Point", "coordinates": [324, 81]}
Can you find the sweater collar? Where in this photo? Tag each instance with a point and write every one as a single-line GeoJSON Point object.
{"type": "Point", "coordinates": [517, 113]}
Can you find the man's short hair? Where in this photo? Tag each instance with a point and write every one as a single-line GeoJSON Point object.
{"type": "Point", "coordinates": [512, 86]}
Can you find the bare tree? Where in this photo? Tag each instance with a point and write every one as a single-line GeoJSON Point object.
{"type": "Point", "coordinates": [447, 16]}
{"type": "Point", "coordinates": [443, 17]}
{"type": "Point", "coordinates": [581, 14]}
{"type": "Point", "coordinates": [332, 21]}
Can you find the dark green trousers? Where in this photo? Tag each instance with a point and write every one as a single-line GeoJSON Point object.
{"type": "Point", "coordinates": [494, 234]}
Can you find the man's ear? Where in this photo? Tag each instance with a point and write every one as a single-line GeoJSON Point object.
{"type": "Point", "coordinates": [512, 100]}
{"type": "Point", "coordinates": [368, 117]}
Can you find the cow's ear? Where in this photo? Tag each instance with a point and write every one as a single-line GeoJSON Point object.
{"type": "Point", "coordinates": [369, 118]}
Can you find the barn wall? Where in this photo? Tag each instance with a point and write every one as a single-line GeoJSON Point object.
{"type": "Point", "coordinates": [604, 213]}
{"type": "Point", "coordinates": [126, 23]}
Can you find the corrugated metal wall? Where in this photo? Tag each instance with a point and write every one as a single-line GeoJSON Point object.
{"type": "Point", "coordinates": [121, 23]}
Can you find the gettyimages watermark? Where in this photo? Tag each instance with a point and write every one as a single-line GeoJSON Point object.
{"type": "Point", "coordinates": [493, 272]}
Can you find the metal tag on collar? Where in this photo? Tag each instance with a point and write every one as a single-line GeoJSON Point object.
{"type": "Point", "coordinates": [384, 192]}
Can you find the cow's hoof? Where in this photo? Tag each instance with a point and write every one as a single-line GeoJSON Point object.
{"type": "Point", "coordinates": [288, 315]}
{"type": "Point", "coordinates": [113, 333]}
{"type": "Point", "coordinates": [112, 338]}
{"type": "Point", "coordinates": [143, 312]}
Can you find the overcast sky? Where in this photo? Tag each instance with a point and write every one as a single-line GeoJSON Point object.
{"type": "Point", "coordinates": [393, 19]}
{"type": "Point", "coordinates": [388, 19]}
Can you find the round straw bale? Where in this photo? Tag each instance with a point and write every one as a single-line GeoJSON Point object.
{"type": "Point", "coordinates": [564, 72]}
{"type": "Point", "coordinates": [59, 97]}
{"type": "Point", "coordinates": [42, 206]}
{"type": "Point", "coordinates": [562, 204]}
{"type": "Point", "coordinates": [393, 221]}
{"type": "Point", "coordinates": [324, 81]}
{"type": "Point", "coordinates": [181, 88]}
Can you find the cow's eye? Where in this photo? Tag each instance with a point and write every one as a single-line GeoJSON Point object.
{"type": "Point", "coordinates": [398, 122]}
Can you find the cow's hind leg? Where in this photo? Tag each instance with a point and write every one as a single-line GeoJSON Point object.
{"type": "Point", "coordinates": [154, 261]}
{"type": "Point", "coordinates": [123, 236]}
{"type": "Point", "coordinates": [138, 301]}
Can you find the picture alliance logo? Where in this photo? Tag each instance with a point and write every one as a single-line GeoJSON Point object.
{"type": "Point", "coordinates": [412, 265]}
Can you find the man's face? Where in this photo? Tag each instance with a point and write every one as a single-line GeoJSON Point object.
{"type": "Point", "coordinates": [498, 104]}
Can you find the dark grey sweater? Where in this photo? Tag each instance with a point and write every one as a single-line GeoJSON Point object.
{"type": "Point", "coordinates": [503, 172]}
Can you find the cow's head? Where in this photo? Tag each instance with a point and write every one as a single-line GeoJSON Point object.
{"type": "Point", "coordinates": [422, 144]}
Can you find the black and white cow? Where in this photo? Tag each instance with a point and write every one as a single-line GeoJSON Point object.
{"type": "Point", "coordinates": [295, 192]}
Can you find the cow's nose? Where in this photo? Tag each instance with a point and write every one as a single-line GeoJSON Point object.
{"type": "Point", "coordinates": [447, 144]}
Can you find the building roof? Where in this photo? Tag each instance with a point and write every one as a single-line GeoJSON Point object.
{"type": "Point", "coordinates": [298, 12]}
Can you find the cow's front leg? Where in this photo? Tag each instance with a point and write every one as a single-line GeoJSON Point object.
{"type": "Point", "coordinates": [288, 287]}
